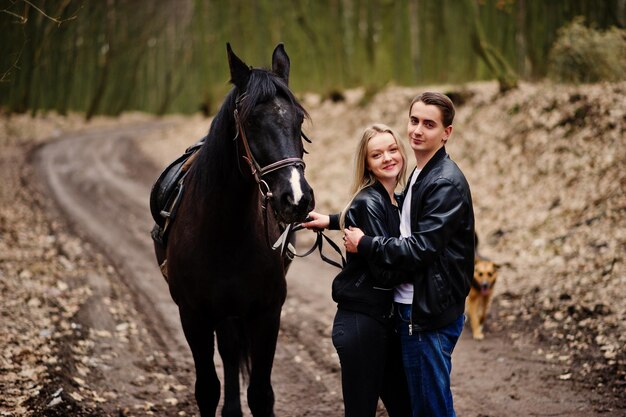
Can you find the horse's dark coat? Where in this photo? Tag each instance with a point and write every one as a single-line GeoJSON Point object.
{"type": "Point", "coordinates": [222, 274]}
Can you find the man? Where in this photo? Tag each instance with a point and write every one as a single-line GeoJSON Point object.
{"type": "Point", "coordinates": [437, 247]}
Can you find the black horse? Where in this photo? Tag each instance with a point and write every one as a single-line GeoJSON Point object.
{"type": "Point", "coordinates": [244, 185]}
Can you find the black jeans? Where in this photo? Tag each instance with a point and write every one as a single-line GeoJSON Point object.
{"type": "Point", "coordinates": [371, 365]}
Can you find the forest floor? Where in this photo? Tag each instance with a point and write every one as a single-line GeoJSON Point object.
{"type": "Point", "coordinates": [88, 328]}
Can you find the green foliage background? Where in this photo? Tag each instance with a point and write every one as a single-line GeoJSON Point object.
{"type": "Point", "coordinates": [584, 55]}
{"type": "Point", "coordinates": [109, 56]}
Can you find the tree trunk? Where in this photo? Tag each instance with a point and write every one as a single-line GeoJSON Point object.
{"type": "Point", "coordinates": [494, 60]}
{"type": "Point", "coordinates": [104, 72]}
{"type": "Point", "coordinates": [521, 42]}
{"type": "Point", "coordinates": [414, 30]}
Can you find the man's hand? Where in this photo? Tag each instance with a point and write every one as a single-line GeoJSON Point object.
{"type": "Point", "coordinates": [352, 236]}
{"type": "Point", "coordinates": [316, 221]}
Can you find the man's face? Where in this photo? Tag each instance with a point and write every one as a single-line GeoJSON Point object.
{"type": "Point", "coordinates": [425, 129]}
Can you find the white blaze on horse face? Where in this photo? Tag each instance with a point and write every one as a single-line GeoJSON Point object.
{"type": "Point", "coordinates": [295, 186]}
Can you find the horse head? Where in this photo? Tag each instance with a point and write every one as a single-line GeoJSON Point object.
{"type": "Point", "coordinates": [269, 122]}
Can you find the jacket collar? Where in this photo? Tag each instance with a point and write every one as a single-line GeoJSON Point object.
{"type": "Point", "coordinates": [438, 156]}
{"type": "Point", "coordinates": [432, 162]}
{"type": "Point", "coordinates": [382, 190]}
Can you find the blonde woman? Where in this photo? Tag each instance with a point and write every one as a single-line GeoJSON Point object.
{"type": "Point", "coordinates": [368, 347]}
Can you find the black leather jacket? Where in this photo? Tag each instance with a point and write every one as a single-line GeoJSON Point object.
{"type": "Point", "coordinates": [362, 286]}
{"type": "Point", "coordinates": [440, 251]}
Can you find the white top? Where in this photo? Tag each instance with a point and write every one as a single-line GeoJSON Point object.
{"type": "Point", "coordinates": [403, 293]}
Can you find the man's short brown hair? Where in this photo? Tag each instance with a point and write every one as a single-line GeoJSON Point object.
{"type": "Point", "coordinates": [440, 100]}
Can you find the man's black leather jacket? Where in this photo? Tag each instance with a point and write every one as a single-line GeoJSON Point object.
{"type": "Point", "coordinates": [440, 251]}
{"type": "Point", "coordinates": [362, 286]}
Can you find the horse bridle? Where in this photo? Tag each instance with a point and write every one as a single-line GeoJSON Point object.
{"type": "Point", "coordinates": [257, 170]}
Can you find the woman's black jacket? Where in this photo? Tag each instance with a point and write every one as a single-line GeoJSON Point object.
{"type": "Point", "coordinates": [362, 286]}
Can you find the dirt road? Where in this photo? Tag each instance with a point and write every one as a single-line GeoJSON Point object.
{"type": "Point", "coordinates": [101, 181]}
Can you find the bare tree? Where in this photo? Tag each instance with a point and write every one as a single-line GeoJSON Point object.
{"type": "Point", "coordinates": [494, 60]}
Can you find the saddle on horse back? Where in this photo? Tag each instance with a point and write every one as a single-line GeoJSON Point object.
{"type": "Point", "coordinates": [167, 191]}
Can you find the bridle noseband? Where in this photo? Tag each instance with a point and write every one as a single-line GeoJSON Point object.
{"type": "Point", "coordinates": [257, 171]}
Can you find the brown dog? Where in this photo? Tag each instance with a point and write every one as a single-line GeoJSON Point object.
{"type": "Point", "coordinates": [479, 298]}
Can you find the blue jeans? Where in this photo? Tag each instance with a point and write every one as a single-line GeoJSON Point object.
{"type": "Point", "coordinates": [427, 359]}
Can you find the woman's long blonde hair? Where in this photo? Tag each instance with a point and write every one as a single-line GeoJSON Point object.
{"type": "Point", "coordinates": [363, 177]}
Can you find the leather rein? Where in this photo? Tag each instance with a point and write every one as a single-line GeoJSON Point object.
{"type": "Point", "coordinates": [257, 173]}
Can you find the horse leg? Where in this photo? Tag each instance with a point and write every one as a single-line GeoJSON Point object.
{"type": "Point", "coordinates": [199, 335]}
{"type": "Point", "coordinates": [264, 332]}
{"type": "Point", "coordinates": [229, 351]}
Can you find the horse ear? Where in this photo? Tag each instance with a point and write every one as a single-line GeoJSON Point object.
{"type": "Point", "coordinates": [239, 71]}
{"type": "Point", "coordinates": [280, 62]}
